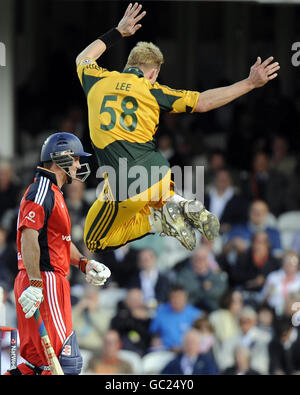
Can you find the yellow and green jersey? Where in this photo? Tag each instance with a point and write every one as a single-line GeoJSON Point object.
{"type": "Point", "coordinates": [124, 110]}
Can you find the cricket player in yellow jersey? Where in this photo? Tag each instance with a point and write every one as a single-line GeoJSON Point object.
{"type": "Point", "coordinates": [124, 109]}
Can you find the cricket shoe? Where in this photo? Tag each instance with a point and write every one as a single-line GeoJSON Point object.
{"type": "Point", "coordinates": [174, 224]}
{"type": "Point", "coordinates": [207, 223]}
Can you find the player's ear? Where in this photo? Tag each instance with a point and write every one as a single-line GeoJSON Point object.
{"type": "Point", "coordinates": [153, 74]}
{"type": "Point", "coordinates": [47, 165]}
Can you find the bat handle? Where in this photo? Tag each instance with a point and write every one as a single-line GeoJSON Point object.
{"type": "Point", "coordinates": [43, 334]}
{"type": "Point", "coordinates": [40, 323]}
{"type": "Point", "coordinates": [48, 349]}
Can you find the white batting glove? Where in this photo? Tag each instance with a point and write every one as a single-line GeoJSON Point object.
{"type": "Point", "coordinates": [30, 300]}
{"type": "Point", "coordinates": [96, 273]}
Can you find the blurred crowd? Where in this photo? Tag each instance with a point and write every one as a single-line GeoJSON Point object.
{"type": "Point", "coordinates": [224, 308]}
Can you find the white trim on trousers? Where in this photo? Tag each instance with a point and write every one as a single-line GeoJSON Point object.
{"type": "Point", "coordinates": [54, 306]}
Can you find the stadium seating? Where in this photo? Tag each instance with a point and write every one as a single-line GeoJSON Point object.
{"type": "Point", "coordinates": [288, 223]}
{"type": "Point", "coordinates": [133, 359]}
{"type": "Point", "coordinates": [154, 362]}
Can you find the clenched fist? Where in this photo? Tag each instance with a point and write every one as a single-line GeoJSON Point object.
{"type": "Point", "coordinates": [30, 300]}
{"type": "Point", "coordinates": [96, 273]}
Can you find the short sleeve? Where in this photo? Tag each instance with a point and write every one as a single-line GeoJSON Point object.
{"type": "Point", "coordinates": [32, 215]}
{"type": "Point", "coordinates": [175, 100]}
{"type": "Point", "coordinates": [89, 73]}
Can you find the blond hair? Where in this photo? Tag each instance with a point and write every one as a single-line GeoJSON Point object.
{"type": "Point", "coordinates": [145, 54]}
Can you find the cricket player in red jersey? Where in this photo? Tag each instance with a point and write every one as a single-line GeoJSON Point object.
{"type": "Point", "coordinates": [45, 251]}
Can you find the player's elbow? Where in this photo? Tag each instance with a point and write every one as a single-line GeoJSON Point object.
{"type": "Point", "coordinates": [78, 59]}
{"type": "Point", "coordinates": [202, 106]}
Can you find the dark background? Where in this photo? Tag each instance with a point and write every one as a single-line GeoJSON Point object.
{"type": "Point", "coordinates": [206, 44]}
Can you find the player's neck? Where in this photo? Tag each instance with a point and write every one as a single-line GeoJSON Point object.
{"type": "Point", "coordinates": [61, 178]}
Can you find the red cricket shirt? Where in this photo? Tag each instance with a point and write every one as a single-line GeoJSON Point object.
{"type": "Point", "coordinates": [43, 208]}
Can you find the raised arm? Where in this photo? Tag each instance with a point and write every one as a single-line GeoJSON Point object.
{"type": "Point", "coordinates": [127, 26]}
{"type": "Point", "coordinates": [260, 74]}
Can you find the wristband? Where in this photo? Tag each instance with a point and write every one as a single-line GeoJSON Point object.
{"type": "Point", "coordinates": [36, 282]}
{"type": "Point", "coordinates": [82, 263]}
{"type": "Point", "coordinates": [111, 37]}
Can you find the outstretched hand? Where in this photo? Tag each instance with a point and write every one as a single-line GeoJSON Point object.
{"type": "Point", "coordinates": [261, 73]}
{"type": "Point", "coordinates": [128, 25]}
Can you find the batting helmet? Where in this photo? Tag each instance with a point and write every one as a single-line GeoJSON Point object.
{"type": "Point", "coordinates": [62, 142]}
{"type": "Point", "coordinates": [61, 148]}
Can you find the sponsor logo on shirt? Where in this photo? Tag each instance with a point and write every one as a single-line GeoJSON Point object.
{"type": "Point", "coordinates": [30, 216]}
{"type": "Point", "coordinates": [66, 238]}
{"type": "Point", "coordinates": [86, 61]}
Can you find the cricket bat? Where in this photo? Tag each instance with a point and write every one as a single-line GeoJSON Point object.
{"type": "Point", "coordinates": [48, 349]}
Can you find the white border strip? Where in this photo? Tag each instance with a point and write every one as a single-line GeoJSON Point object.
{"type": "Point", "coordinates": [41, 181]}
{"type": "Point", "coordinates": [54, 307]}
{"type": "Point", "coordinates": [45, 192]}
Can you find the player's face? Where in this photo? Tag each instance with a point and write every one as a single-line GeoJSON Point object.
{"type": "Point", "coordinates": [75, 166]}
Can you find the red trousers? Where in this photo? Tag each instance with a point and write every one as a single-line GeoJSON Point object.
{"type": "Point", "coordinates": [56, 313]}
